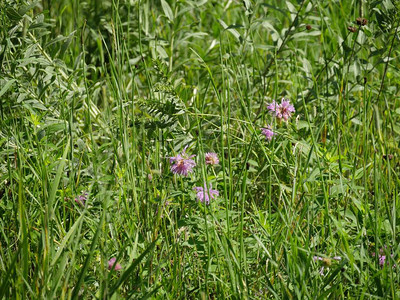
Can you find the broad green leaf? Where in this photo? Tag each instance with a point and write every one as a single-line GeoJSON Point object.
{"type": "Point", "coordinates": [291, 7]}
{"type": "Point", "coordinates": [6, 87]}
{"type": "Point", "coordinates": [306, 34]}
{"type": "Point", "coordinates": [230, 28]}
{"type": "Point", "coordinates": [167, 10]}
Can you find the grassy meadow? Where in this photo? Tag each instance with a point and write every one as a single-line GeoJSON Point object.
{"type": "Point", "coordinates": [109, 110]}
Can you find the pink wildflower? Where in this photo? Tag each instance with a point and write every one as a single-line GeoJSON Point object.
{"type": "Point", "coordinates": [204, 194]}
{"type": "Point", "coordinates": [211, 158]}
{"type": "Point", "coordinates": [81, 199]}
{"type": "Point", "coordinates": [113, 265]}
{"type": "Point", "coordinates": [182, 163]}
{"type": "Point", "coordinates": [282, 111]}
{"type": "Point", "coordinates": [268, 132]}
{"type": "Point", "coordinates": [382, 257]}
{"type": "Point", "coordinates": [272, 106]}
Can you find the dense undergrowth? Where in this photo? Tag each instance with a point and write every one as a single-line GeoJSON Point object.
{"type": "Point", "coordinates": [97, 96]}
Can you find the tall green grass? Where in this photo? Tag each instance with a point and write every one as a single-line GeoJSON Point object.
{"type": "Point", "coordinates": [96, 96]}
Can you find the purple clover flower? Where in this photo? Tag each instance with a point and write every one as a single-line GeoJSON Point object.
{"type": "Point", "coordinates": [211, 158]}
{"type": "Point", "coordinates": [282, 111]}
{"type": "Point", "coordinates": [113, 265]}
{"type": "Point", "coordinates": [81, 199]}
{"type": "Point", "coordinates": [204, 194]}
{"type": "Point", "coordinates": [183, 164]}
{"type": "Point", "coordinates": [382, 257]}
{"type": "Point", "coordinates": [268, 132]}
{"type": "Point", "coordinates": [272, 106]}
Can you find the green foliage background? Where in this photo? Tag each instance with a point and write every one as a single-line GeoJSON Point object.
{"type": "Point", "coordinates": [96, 95]}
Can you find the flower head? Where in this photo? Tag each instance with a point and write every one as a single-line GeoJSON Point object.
{"type": "Point", "coordinates": [212, 158]}
{"type": "Point", "coordinates": [81, 198]}
{"type": "Point", "coordinates": [113, 265]}
{"type": "Point", "coordinates": [382, 257]}
{"type": "Point", "coordinates": [282, 111]}
{"type": "Point", "coordinates": [268, 132]}
{"type": "Point", "coordinates": [204, 194]}
{"type": "Point", "coordinates": [272, 106]}
{"type": "Point", "coordinates": [182, 164]}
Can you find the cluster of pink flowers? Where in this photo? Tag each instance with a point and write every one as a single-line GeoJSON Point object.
{"type": "Point", "coordinates": [183, 164]}
{"type": "Point", "coordinates": [204, 194]}
{"type": "Point", "coordinates": [112, 265]}
{"type": "Point", "coordinates": [268, 133]}
{"type": "Point", "coordinates": [281, 111]}
{"type": "Point", "coordinates": [212, 158]}
{"type": "Point", "coordinates": [382, 257]}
